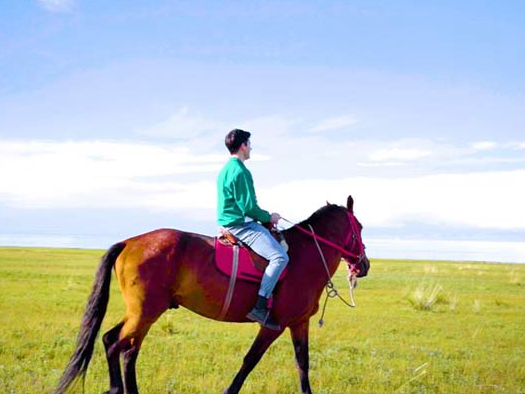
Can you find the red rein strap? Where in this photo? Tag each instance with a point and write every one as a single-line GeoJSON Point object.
{"type": "Point", "coordinates": [355, 230]}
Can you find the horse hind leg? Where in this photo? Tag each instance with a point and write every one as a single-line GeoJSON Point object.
{"type": "Point", "coordinates": [126, 339]}
{"type": "Point", "coordinates": [129, 360]}
{"type": "Point", "coordinates": [113, 348]}
{"type": "Point", "coordinates": [131, 336]}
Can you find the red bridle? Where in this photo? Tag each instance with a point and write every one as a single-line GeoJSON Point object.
{"type": "Point", "coordinates": [353, 233]}
{"type": "Point", "coordinates": [353, 267]}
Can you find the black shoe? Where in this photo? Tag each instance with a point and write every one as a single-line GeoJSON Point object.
{"type": "Point", "coordinates": [262, 316]}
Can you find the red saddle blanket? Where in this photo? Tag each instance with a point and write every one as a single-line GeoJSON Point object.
{"type": "Point", "coordinates": [246, 268]}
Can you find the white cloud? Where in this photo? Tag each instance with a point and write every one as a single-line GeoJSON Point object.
{"type": "Point", "coordinates": [513, 145]}
{"type": "Point", "coordinates": [107, 174]}
{"type": "Point", "coordinates": [200, 134]}
{"type": "Point", "coordinates": [381, 164]}
{"type": "Point", "coordinates": [484, 145]}
{"type": "Point", "coordinates": [101, 174]}
{"type": "Point", "coordinates": [398, 154]}
{"type": "Point", "coordinates": [184, 125]}
{"type": "Point", "coordinates": [270, 126]}
{"type": "Point", "coordinates": [94, 173]}
{"type": "Point", "coordinates": [334, 124]}
{"type": "Point", "coordinates": [56, 5]}
{"type": "Point", "coordinates": [480, 200]}
{"type": "Point", "coordinates": [484, 161]}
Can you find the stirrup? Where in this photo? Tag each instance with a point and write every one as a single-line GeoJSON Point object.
{"type": "Point", "coordinates": [266, 321]}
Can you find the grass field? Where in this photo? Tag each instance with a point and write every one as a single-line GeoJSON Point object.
{"type": "Point", "coordinates": [420, 327]}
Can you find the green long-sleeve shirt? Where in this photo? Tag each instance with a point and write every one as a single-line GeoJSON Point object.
{"type": "Point", "coordinates": [236, 195]}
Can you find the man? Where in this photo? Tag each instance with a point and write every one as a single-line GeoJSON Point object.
{"type": "Point", "coordinates": [235, 203]}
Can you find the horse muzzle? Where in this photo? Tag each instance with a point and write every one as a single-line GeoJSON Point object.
{"type": "Point", "coordinates": [360, 267]}
{"type": "Point", "coordinates": [364, 266]}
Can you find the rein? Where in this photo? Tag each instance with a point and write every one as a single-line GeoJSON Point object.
{"type": "Point", "coordinates": [331, 291]}
{"type": "Point", "coordinates": [325, 241]}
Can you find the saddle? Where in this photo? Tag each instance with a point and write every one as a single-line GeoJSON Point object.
{"type": "Point", "coordinates": [250, 266]}
{"type": "Point", "coordinates": [238, 262]}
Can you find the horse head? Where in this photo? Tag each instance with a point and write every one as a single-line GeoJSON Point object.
{"type": "Point", "coordinates": [356, 259]}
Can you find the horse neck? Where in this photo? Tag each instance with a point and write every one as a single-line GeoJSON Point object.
{"type": "Point", "coordinates": [328, 228]}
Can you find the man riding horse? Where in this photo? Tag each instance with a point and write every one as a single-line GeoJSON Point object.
{"type": "Point", "coordinates": [239, 213]}
{"type": "Point", "coordinates": [167, 268]}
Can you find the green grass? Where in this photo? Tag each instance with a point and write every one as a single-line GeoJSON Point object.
{"type": "Point", "coordinates": [419, 327]}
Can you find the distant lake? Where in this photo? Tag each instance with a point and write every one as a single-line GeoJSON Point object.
{"type": "Point", "coordinates": [432, 249]}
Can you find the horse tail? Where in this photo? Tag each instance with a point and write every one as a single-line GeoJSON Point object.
{"type": "Point", "coordinates": [91, 321]}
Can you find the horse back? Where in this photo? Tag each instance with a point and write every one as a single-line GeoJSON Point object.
{"type": "Point", "coordinates": [149, 266]}
{"type": "Point", "coordinates": [167, 267]}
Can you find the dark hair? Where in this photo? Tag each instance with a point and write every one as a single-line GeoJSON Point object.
{"type": "Point", "coordinates": [235, 138]}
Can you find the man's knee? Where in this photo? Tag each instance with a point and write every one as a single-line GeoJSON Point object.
{"type": "Point", "coordinates": [282, 258]}
{"type": "Point", "coordinates": [279, 258]}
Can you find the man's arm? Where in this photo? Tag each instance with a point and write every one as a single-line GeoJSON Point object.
{"type": "Point", "coordinates": [244, 194]}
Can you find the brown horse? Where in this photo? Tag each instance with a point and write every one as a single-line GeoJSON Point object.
{"type": "Point", "coordinates": [167, 268]}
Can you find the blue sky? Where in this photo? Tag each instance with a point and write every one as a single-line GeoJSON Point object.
{"type": "Point", "coordinates": [112, 118]}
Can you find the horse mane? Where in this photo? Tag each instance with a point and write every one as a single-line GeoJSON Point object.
{"type": "Point", "coordinates": [323, 212]}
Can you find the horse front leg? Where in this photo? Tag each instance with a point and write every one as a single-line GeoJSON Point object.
{"type": "Point", "coordinates": [262, 342]}
{"type": "Point", "coordinates": [300, 346]}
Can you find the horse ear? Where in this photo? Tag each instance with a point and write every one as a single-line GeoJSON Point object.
{"type": "Point", "coordinates": [350, 204]}
{"type": "Point", "coordinates": [327, 203]}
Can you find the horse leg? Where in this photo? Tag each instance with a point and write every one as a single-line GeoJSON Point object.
{"type": "Point", "coordinates": [300, 346]}
{"type": "Point", "coordinates": [110, 340]}
{"type": "Point", "coordinates": [125, 338]}
{"type": "Point", "coordinates": [262, 342]}
{"type": "Point", "coordinates": [129, 361]}
{"type": "Point", "coordinates": [131, 336]}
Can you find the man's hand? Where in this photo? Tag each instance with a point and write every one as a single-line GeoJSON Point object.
{"type": "Point", "coordinates": [274, 219]}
